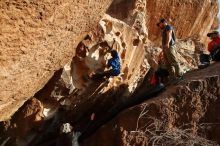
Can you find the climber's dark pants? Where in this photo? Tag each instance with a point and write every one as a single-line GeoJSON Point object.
{"type": "Point", "coordinates": [215, 54]}
{"type": "Point", "coordinates": [107, 74]}
{"type": "Point", "coordinates": [204, 58]}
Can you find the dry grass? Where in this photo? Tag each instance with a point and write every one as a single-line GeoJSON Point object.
{"type": "Point", "coordinates": [158, 133]}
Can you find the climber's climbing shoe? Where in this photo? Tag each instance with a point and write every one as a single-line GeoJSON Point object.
{"type": "Point", "coordinates": [203, 65]}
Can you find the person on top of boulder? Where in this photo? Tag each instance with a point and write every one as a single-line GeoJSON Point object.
{"type": "Point", "coordinates": [169, 49]}
{"type": "Point", "coordinates": [214, 45]}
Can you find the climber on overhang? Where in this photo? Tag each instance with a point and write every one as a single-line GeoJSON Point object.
{"type": "Point", "coordinates": [113, 63]}
{"type": "Point", "coordinates": [169, 49]}
{"type": "Point", "coordinates": [214, 45]}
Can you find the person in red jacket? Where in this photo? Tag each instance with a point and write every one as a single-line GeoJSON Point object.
{"type": "Point", "coordinates": [214, 45]}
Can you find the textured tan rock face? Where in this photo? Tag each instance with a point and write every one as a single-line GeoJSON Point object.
{"type": "Point", "coordinates": [37, 38]}
{"type": "Point", "coordinates": [136, 52]}
{"type": "Point", "coordinates": [129, 45]}
{"type": "Point", "coordinates": [184, 114]}
{"type": "Point", "coordinates": [189, 17]}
